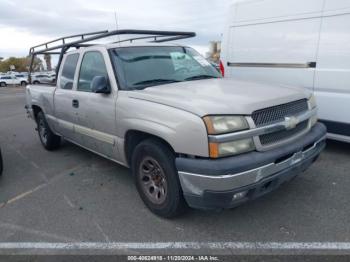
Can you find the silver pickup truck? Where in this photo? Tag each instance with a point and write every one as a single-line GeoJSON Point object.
{"type": "Point", "coordinates": [190, 137]}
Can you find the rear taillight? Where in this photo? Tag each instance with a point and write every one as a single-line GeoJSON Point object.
{"type": "Point", "coordinates": [222, 68]}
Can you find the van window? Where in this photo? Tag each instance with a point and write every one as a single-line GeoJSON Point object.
{"type": "Point", "coordinates": [68, 71]}
{"type": "Point", "coordinates": [92, 65]}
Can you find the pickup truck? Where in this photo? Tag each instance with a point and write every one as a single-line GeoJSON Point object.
{"type": "Point", "coordinates": [190, 137]}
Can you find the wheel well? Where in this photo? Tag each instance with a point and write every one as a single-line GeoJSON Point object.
{"type": "Point", "coordinates": [36, 110]}
{"type": "Point", "coordinates": [134, 137]}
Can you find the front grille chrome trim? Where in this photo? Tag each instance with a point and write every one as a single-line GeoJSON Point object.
{"type": "Point", "coordinates": [263, 130]}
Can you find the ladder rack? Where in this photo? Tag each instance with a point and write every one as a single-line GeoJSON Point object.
{"type": "Point", "coordinates": [61, 45]}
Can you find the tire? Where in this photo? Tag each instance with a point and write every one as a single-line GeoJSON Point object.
{"type": "Point", "coordinates": [3, 84]}
{"type": "Point", "coordinates": [153, 166]}
{"type": "Point", "coordinates": [48, 139]}
{"type": "Point", "coordinates": [23, 83]}
{"type": "Point", "coordinates": [36, 82]}
{"type": "Point", "coordinates": [1, 164]}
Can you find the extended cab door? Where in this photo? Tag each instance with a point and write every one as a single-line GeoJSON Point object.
{"type": "Point", "coordinates": [65, 97]}
{"type": "Point", "coordinates": [96, 114]}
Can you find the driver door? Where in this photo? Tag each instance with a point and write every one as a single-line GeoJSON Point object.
{"type": "Point", "coordinates": [95, 126]}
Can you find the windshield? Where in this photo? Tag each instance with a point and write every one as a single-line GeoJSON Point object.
{"type": "Point", "coordinates": [141, 67]}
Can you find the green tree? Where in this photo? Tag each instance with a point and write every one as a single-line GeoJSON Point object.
{"type": "Point", "coordinates": [21, 64]}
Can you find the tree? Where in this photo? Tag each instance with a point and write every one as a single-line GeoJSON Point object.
{"type": "Point", "coordinates": [47, 59]}
{"type": "Point", "coordinates": [21, 64]}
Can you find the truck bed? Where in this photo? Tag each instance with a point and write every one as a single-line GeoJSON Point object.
{"type": "Point", "coordinates": [42, 96]}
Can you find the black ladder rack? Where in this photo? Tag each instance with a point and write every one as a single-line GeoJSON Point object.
{"type": "Point", "coordinates": [61, 45]}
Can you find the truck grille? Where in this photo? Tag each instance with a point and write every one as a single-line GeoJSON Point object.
{"type": "Point", "coordinates": [272, 138]}
{"type": "Point", "coordinates": [276, 114]}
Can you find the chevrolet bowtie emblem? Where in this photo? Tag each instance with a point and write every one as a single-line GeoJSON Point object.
{"type": "Point", "coordinates": [291, 122]}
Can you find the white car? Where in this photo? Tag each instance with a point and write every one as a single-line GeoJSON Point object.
{"type": "Point", "coordinates": [42, 79]}
{"type": "Point", "coordinates": [6, 80]}
{"type": "Point", "coordinates": [296, 43]}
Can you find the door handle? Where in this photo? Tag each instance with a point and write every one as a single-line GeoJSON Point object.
{"type": "Point", "coordinates": [75, 103]}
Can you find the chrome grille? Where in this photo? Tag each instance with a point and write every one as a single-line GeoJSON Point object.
{"type": "Point", "coordinates": [272, 138]}
{"type": "Point", "coordinates": [276, 114]}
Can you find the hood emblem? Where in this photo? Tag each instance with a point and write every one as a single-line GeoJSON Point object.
{"type": "Point", "coordinates": [291, 122]}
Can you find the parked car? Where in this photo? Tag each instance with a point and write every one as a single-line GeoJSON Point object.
{"type": "Point", "coordinates": [189, 136]}
{"type": "Point", "coordinates": [6, 80]}
{"type": "Point", "coordinates": [293, 43]}
{"type": "Point", "coordinates": [42, 79]}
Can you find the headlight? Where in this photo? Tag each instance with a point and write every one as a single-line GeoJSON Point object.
{"type": "Point", "coordinates": [231, 148]}
{"type": "Point", "coordinates": [225, 124]}
{"type": "Point", "coordinates": [312, 102]}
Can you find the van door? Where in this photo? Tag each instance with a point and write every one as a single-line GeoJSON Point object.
{"type": "Point", "coordinates": [64, 97]}
{"type": "Point", "coordinates": [96, 115]}
{"type": "Point", "coordinates": [332, 78]}
{"type": "Point", "coordinates": [273, 41]}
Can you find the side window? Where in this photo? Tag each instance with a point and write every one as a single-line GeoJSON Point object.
{"type": "Point", "coordinates": [67, 76]}
{"type": "Point", "coordinates": [92, 65]}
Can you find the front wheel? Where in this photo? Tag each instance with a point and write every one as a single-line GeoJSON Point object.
{"type": "Point", "coordinates": [3, 84]}
{"type": "Point", "coordinates": [153, 166]}
{"type": "Point", "coordinates": [23, 83]}
{"type": "Point", "coordinates": [48, 139]}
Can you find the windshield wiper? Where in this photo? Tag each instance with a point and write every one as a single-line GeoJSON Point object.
{"type": "Point", "coordinates": [198, 77]}
{"type": "Point", "coordinates": [156, 81]}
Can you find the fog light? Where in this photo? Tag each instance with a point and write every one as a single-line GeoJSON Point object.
{"type": "Point", "coordinates": [239, 195]}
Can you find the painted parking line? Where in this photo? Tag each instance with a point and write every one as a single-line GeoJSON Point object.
{"type": "Point", "coordinates": [313, 248]}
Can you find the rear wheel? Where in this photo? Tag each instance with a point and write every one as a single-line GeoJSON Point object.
{"type": "Point", "coordinates": [48, 139]}
{"type": "Point", "coordinates": [2, 84]}
{"type": "Point", "coordinates": [23, 83]}
{"type": "Point", "coordinates": [153, 166]}
{"type": "Point", "coordinates": [36, 82]}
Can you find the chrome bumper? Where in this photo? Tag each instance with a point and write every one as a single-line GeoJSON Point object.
{"type": "Point", "coordinates": [196, 184]}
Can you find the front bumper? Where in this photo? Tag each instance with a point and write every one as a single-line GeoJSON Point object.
{"type": "Point", "coordinates": [228, 182]}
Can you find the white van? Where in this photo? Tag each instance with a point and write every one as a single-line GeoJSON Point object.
{"type": "Point", "coordinates": [295, 42]}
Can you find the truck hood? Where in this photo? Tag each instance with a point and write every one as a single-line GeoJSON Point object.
{"type": "Point", "coordinates": [220, 96]}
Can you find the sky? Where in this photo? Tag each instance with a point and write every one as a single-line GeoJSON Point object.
{"type": "Point", "coordinates": [27, 23]}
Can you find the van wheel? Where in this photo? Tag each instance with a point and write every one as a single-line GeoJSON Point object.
{"type": "Point", "coordinates": [48, 139]}
{"type": "Point", "coordinates": [23, 83]}
{"type": "Point", "coordinates": [3, 84]}
{"type": "Point", "coordinates": [156, 178]}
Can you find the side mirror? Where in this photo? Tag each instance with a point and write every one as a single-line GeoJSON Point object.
{"type": "Point", "coordinates": [100, 85]}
